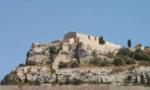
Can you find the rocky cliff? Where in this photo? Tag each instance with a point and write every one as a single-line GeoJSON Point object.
{"type": "Point", "coordinates": [76, 59]}
{"type": "Point", "coordinates": [35, 75]}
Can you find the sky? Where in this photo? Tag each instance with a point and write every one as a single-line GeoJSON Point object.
{"type": "Point", "coordinates": [25, 21]}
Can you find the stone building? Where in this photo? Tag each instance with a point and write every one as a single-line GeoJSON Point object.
{"type": "Point", "coordinates": [90, 42]}
{"type": "Point", "coordinates": [75, 37]}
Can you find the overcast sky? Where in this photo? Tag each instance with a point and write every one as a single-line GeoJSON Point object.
{"type": "Point", "coordinates": [25, 21]}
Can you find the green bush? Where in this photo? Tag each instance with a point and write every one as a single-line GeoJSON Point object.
{"type": "Point", "coordinates": [52, 71]}
{"type": "Point", "coordinates": [63, 65]}
{"type": "Point", "coordinates": [95, 61]}
{"type": "Point", "coordinates": [53, 50]}
{"type": "Point", "coordinates": [73, 64]}
{"type": "Point", "coordinates": [119, 61]}
{"type": "Point", "coordinates": [105, 63]}
{"type": "Point", "coordinates": [128, 60]}
{"type": "Point", "coordinates": [124, 52]}
{"type": "Point", "coordinates": [101, 40]}
{"type": "Point", "coordinates": [110, 54]}
{"type": "Point", "coordinates": [30, 63]}
{"type": "Point", "coordinates": [49, 62]}
{"type": "Point", "coordinates": [11, 79]}
{"type": "Point", "coordinates": [141, 56]}
{"type": "Point", "coordinates": [93, 54]}
{"type": "Point", "coordinates": [20, 65]}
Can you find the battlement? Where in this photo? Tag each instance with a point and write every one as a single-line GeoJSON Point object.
{"type": "Point", "coordinates": [89, 41]}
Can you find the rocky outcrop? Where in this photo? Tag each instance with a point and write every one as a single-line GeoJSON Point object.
{"type": "Point", "coordinates": [106, 75]}
{"type": "Point", "coordinates": [73, 46]}
{"type": "Point", "coordinates": [43, 60]}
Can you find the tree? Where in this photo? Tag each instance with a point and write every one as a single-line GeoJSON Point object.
{"type": "Point", "coordinates": [101, 40]}
{"type": "Point", "coordinates": [129, 43]}
{"type": "Point", "coordinates": [53, 51]}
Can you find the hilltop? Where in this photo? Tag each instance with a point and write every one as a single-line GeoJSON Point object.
{"type": "Point", "coordinates": [79, 58]}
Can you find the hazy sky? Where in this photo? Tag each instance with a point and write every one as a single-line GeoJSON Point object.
{"type": "Point", "coordinates": [25, 21]}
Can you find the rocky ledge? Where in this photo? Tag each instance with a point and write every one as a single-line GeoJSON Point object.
{"type": "Point", "coordinates": [94, 75]}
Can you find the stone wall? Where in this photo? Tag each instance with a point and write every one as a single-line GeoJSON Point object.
{"type": "Point", "coordinates": [89, 41]}
{"type": "Point", "coordinates": [79, 37]}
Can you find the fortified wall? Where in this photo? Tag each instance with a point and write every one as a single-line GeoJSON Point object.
{"type": "Point", "coordinates": [89, 41]}
{"type": "Point", "coordinates": [75, 37]}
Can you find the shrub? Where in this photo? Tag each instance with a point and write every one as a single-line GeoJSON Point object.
{"type": "Point", "coordinates": [73, 64]}
{"type": "Point", "coordinates": [105, 63]}
{"type": "Point", "coordinates": [49, 62]}
{"type": "Point", "coordinates": [20, 65]}
{"type": "Point", "coordinates": [101, 40]}
{"type": "Point", "coordinates": [128, 60]}
{"type": "Point", "coordinates": [141, 56]}
{"type": "Point", "coordinates": [63, 65]}
{"type": "Point", "coordinates": [53, 50]}
{"type": "Point", "coordinates": [30, 63]}
{"type": "Point", "coordinates": [11, 79]}
{"type": "Point", "coordinates": [110, 54]}
{"type": "Point", "coordinates": [124, 52]}
{"type": "Point", "coordinates": [93, 54]}
{"type": "Point", "coordinates": [53, 71]}
{"type": "Point", "coordinates": [119, 61]}
{"type": "Point", "coordinates": [95, 61]}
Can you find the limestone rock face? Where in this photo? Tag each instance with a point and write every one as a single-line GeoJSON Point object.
{"type": "Point", "coordinates": [43, 58]}
{"type": "Point", "coordinates": [105, 75]}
